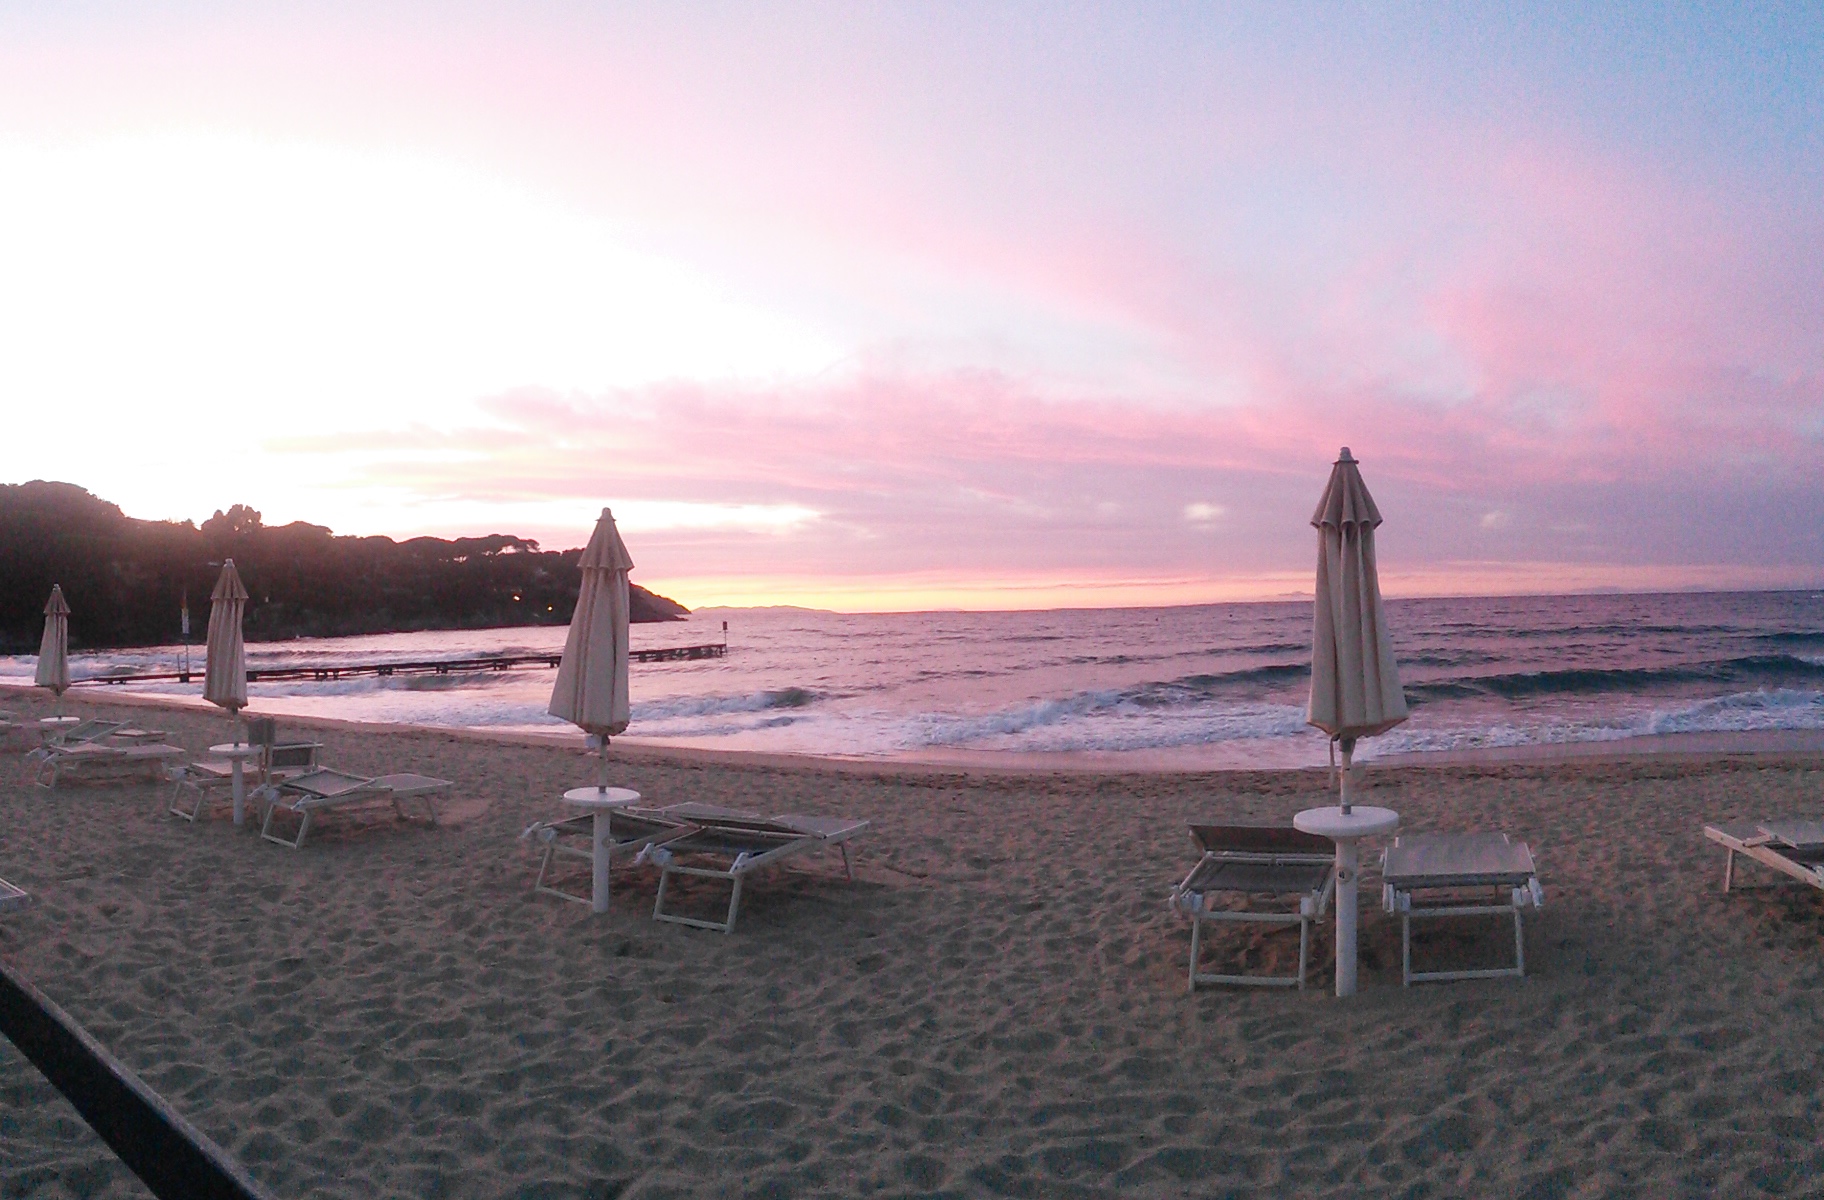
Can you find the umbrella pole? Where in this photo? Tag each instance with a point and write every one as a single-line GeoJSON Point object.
{"type": "Point", "coordinates": [1348, 754]}
{"type": "Point", "coordinates": [598, 858]}
{"type": "Point", "coordinates": [1347, 871]}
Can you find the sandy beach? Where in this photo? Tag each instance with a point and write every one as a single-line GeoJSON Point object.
{"type": "Point", "coordinates": [995, 1007]}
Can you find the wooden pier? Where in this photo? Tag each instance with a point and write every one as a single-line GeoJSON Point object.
{"type": "Point", "coordinates": [441, 666]}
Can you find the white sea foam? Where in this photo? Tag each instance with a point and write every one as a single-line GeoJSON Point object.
{"type": "Point", "coordinates": [1779, 708]}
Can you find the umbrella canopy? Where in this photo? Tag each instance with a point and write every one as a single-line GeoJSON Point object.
{"type": "Point", "coordinates": [591, 687]}
{"type": "Point", "coordinates": [225, 669]}
{"type": "Point", "coordinates": [1355, 684]}
{"type": "Point", "coordinates": [54, 650]}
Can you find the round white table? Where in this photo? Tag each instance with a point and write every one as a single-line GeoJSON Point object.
{"type": "Point", "coordinates": [602, 801]}
{"type": "Point", "coordinates": [50, 728]}
{"type": "Point", "coordinates": [1345, 829]}
{"type": "Point", "coordinates": [236, 753]}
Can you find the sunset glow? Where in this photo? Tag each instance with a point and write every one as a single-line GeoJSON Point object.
{"type": "Point", "coordinates": [926, 306]}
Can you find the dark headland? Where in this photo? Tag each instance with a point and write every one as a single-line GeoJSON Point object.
{"type": "Point", "coordinates": [126, 579]}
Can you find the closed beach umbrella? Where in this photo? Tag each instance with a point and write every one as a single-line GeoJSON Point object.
{"type": "Point", "coordinates": [1355, 686]}
{"type": "Point", "coordinates": [54, 649]}
{"type": "Point", "coordinates": [591, 687]}
{"type": "Point", "coordinates": [1355, 683]}
{"type": "Point", "coordinates": [225, 669]}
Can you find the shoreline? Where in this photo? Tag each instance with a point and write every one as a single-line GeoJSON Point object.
{"type": "Point", "coordinates": [1767, 746]}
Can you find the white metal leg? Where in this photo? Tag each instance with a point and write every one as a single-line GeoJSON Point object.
{"type": "Point", "coordinates": [1196, 949]}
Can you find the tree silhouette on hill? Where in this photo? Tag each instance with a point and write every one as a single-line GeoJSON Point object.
{"type": "Point", "coordinates": [127, 579]}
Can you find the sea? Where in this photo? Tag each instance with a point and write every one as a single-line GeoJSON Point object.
{"type": "Point", "coordinates": [1210, 686]}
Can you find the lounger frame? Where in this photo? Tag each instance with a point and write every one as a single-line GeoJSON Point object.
{"type": "Point", "coordinates": [299, 798]}
{"type": "Point", "coordinates": [121, 761]}
{"type": "Point", "coordinates": [642, 831]}
{"type": "Point", "coordinates": [1256, 860]}
{"type": "Point", "coordinates": [1803, 863]}
{"type": "Point", "coordinates": [1463, 893]}
{"type": "Point", "coordinates": [731, 844]}
{"type": "Point", "coordinates": [43, 763]}
{"type": "Point", "coordinates": [201, 779]}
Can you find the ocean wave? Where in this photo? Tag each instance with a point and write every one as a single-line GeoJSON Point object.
{"type": "Point", "coordinates": [1131, 658]}
{"type": "Point", "coordinates": [1754, 668]}
{"type": "Point", "coordinates": [1086, 721]}
{"type": "Point", "coordinates": [952, 729]}
{"type": "Point", "coordinates": [1793, 637]}
{"type": "Point", "coordinates": [1189, 691]}
{"type": "Point", "coordinates": [1780, 708]}
{"type": "Point", "coordinates": [1498, 735]}
{"type": "Point", "coordinates": [1102, 720]}
{"type": "Point", "coordinates": [1621, 629]}
{"type": "Point", "coordinates": [672, 708]}
{"type": "Point", "coordinates": [1777, 709]}
{"type": "Point", "coordinates": [1439, 658]}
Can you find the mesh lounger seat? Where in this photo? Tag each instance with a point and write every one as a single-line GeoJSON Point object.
{"type": "Point", "coordinates": [731, 844]}
{"type": "Point", "coordinates": [629, 833]}
{"type": "Point", "coordinates": [12, 898]}
{"type": "Point", "coordinates": [1276, 863]}
{"type": "Point", "coordinates": [304, 796]}
{"type": "Point", "coordinates": [1457, 875]}
{"type": "Point", "coordinates": [1792, 846]}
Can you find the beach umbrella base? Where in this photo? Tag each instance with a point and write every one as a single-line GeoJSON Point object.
{"type": "Point", "coordinates": [1346, 829]}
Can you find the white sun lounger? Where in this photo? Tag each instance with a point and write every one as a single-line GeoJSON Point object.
{"type": "Point", "coordinates": [95, 761]}
{"type": "Point", "coordinates": [1793, 846]}
{"type": "Point", "coordinates": [54, 742]}
{"type": "Point", "coordinates": [1259, 862]}
{"type": "Point", "coordinates": [306, 795]}
{"type": "Point", "coordinates": [13, 898]}
{"type": "Point", "coordinates": [731, 844]}
{"type": "Point", "coordinates": [1457, 875]}
{"type": "Point", "coordinates": [574, 837]}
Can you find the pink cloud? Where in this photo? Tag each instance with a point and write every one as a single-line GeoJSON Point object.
{"type": "Point", "coordinates": [1496, 311]}
{"type": "Point", "coordinates": [975, 470]}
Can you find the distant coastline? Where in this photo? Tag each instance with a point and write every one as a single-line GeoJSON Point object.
{"type": "Point", "coordinates": [127, 580]}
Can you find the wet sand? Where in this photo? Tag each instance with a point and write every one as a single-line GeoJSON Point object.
{"type": "Point", "coordinates": [996, 1006]}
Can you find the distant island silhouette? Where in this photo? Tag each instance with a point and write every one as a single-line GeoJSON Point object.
{"type": "Point", "coordinates": [126, 579]}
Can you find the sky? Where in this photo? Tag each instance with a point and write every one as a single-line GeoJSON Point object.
{"type": "Point", "coordinates": [901, 306]}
